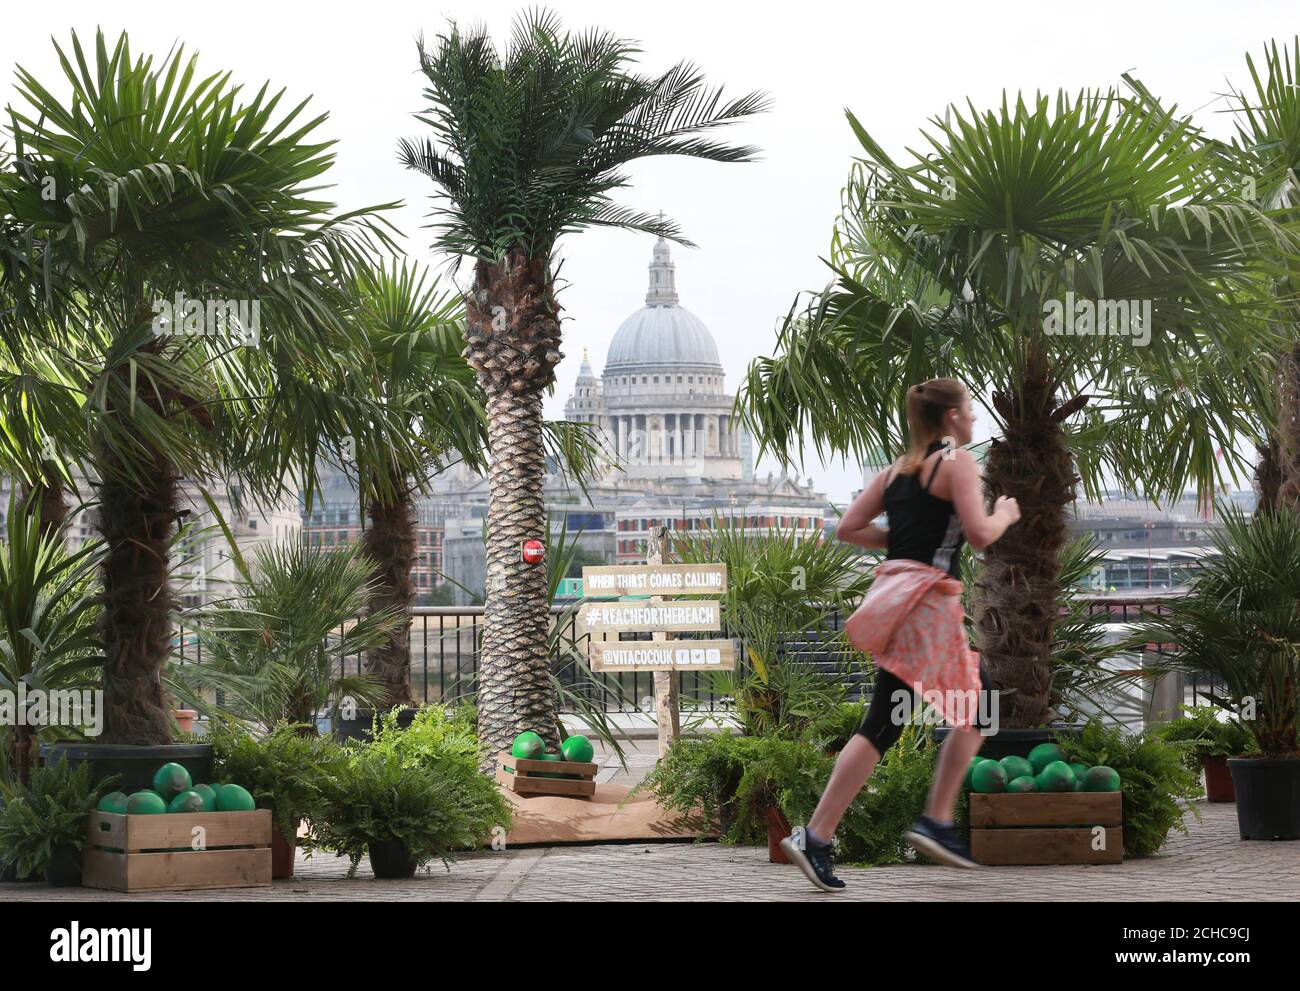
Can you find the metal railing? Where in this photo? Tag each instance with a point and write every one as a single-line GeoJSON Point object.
{"type": "Point", "coordinates": [447, 644]}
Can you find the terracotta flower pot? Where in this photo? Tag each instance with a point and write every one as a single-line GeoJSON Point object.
{"type": "Point", "coordinates": [283, 854]}
{"type": "Point", "coordinates": [185, 719]}
{"type": "Point", "coordinates": [1218, 780]}
{"type": "Point", "coordinates": [778, 828]}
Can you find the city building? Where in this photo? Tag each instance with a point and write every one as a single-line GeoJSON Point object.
{"type": "Point", "coordinates": [677, 456]}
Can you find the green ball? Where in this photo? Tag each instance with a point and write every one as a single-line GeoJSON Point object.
{"type": "Point", "coordinates": [989, 778]}
{"type": "Point", "coordinates": [1025, 782]}
{"type": "Point", "coordinates": [233, 798]}
{"type": "Point", "coordinates": [975, 762]}
{"type": "Point", "coordinates": [1016, 767]}
{"type": "Point", "coordinates": [1101, 778]}
{"type": "Point", "coordinates": [170, 780]}
{"type": "Point", "coordinates": [209, 796]}
{"type": "Point", "coordinates": [1044, 754]}
{"type": "Point", "coordinates": [528, 746]}
{"type": "Point", "coordinates": [145, 803]}
{"type": "Point", "coordinates": [578, 749]}
{"type": "Point", "coordinates": [1056, 776]}
{"type": "Point", "coordinates": [1078, 784]}
{"type": "Point", "coordinates": [186, 801]}
{"type": "Point", "coordinates": [114, 802]}
{"type": "Point", "coordinates": [1079, 769]}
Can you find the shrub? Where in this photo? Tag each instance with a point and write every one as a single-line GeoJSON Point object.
{"type": "Point", "coordinates": [1154, 778]}
{"type": "Point", "coordinates": [287, 771]}
{"type": "Point", "coordinates": [50, 813]}
{"type": "Point", "coordinates": [1201, 733]}
{"type": "Point", "coordinates": [703, 779]}
{"type": "Point", "coordinates": [420, 785]}
{"type": "Point", "coordinates": [432, 806]}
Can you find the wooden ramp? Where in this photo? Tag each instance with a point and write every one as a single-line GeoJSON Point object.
{"type": "Point", "coordinates": [607, 816]}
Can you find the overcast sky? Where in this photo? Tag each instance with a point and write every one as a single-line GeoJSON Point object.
{"type": "Point", "coordinates": [761, 228]}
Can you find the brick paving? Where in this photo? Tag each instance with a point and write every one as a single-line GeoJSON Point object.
{"type": "Point", "coordinates": [1210, 863]}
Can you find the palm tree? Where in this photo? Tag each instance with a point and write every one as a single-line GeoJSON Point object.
{"type": "Point", "coordinates": [276, 648]}
{"type": "Point", "coordinates": [413, 331]}
{"type": "Point", "coordinates": [526, 146]}
{"type": "Point", "coordinates": [947, 266]}
{"type": "Point", "coordinates": [1265, 157]}
{"type": "Point", "coordinates": [413, 408]}
{"type": "Point", "coordinates": [172, 187]}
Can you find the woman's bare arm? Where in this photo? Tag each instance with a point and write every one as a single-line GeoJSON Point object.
{"type": "Point", "coordinates": [855, 525]}
{"type": "Point", "coordinates": [967, 497]}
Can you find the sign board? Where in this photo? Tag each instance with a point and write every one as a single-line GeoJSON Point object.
{"type": "Point", "coordinates": [655, 579]}
{"type": "Point", "coordinates": [662, 655]}
{"type": "Point", "coordinates": [651, 617]}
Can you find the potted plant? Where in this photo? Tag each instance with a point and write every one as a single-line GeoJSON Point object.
{"type": "Point", "coordinates": [163, 215]}
{"type": "Point", "coordinates": [1240, 623]}
{"type": "Point", "coordinates": [1211, 737]}
{"type": "Point", "coordinates": [43, 828]}
{"type": "Point", "coordinates": [403, 811]}
{"type": "Point", "coordinates": [286, 770]}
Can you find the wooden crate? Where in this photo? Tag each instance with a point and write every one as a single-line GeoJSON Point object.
{"type": "Point", "coordinates": [522, 776]}
{"type": "Point", "coordinates": [1046, 828]}
{"type": "Point", "coordinates": [144, 852]}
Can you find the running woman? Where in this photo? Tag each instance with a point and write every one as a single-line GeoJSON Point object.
{"type": "Point", "coordinates": [911, 621]}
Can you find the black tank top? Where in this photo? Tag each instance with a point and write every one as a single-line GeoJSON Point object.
{"type": "Point", "coordinates": [923, 527]}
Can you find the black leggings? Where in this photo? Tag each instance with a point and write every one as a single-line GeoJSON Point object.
{"type": "Point", "coordinates": [880, 724]}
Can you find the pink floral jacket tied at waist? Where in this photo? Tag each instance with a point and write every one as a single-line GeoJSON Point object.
{"type": "Point", "coordinates": [911, 624]}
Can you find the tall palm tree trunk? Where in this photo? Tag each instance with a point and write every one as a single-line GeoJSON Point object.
{"type": "Point", "coordinates": [137, 521]}
{"type": "Point", "coordinates": [49, 497]}
{"type": "Point", "coordinates": [1017, 600]}
{"type": "Point", "coordinates": [512, 336]}
{"type": "Point", "coordinates": [390, 542]}
{"type": "Point", "coordinates": [23, 751]}
{"type": "Point", "coordinates": [1268, 475]}
{"type": "Point", "coordinates": [1288, 430]}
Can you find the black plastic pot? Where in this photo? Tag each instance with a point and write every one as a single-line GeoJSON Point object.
{"type": "Point", "coordinates": [64, 868]}
{"type": "Point", "coordinates": [391, 860]}
{"type": "Point", "coordinates": [134, 765]}
{"type": "Point", "coordinates": [8, 873]}
{"type": "Point", "coordinates": [1268, 797]}
{"type": "Point", "coordinates": [1016, 742]}
{"type": "Point", "coordinates": [358, 727]}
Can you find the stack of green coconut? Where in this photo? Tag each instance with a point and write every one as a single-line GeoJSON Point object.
{"type": "Point", "coordinates": [576, 749]}
{"type": "Point", "coordinates": [1045, 769]}
{"type": "Point", "coordinates": [174, 791]}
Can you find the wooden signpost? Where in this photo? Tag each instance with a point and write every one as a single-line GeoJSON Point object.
{"type": "Point", "coordinates": [658, 617]}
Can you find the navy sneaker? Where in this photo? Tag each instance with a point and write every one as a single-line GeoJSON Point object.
{"type": "Point", "coordinates": [813, 859]}
{"type": "Point", "coordinates": [939, 842]}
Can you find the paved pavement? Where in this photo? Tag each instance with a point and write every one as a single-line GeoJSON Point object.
{"type": "Point", "coordinates": [1210, 863]}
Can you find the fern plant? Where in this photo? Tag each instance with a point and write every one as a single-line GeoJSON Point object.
{"type": "Point", "coordinates": [49, 814]}
{"type": "Point", "coordinates": [287, 770]}
{"type": "Point", "coordinates": [1154, 777]}
{"type": "Point", "coordinates": [432, 808]}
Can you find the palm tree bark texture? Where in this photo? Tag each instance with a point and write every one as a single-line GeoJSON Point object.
{"type": "Point", "coordinates": [390, 542]}
{"type": "Point", "coordinates": [512, 336]}
{"type": "Point", "coordinates": [49, 498]}
{"type": "Point", "coordinates": [1288, 431]}
{"type": "Point", "coordinates": [137, 521]}
{"type": "Point", "coordinates": [1017, 592]}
